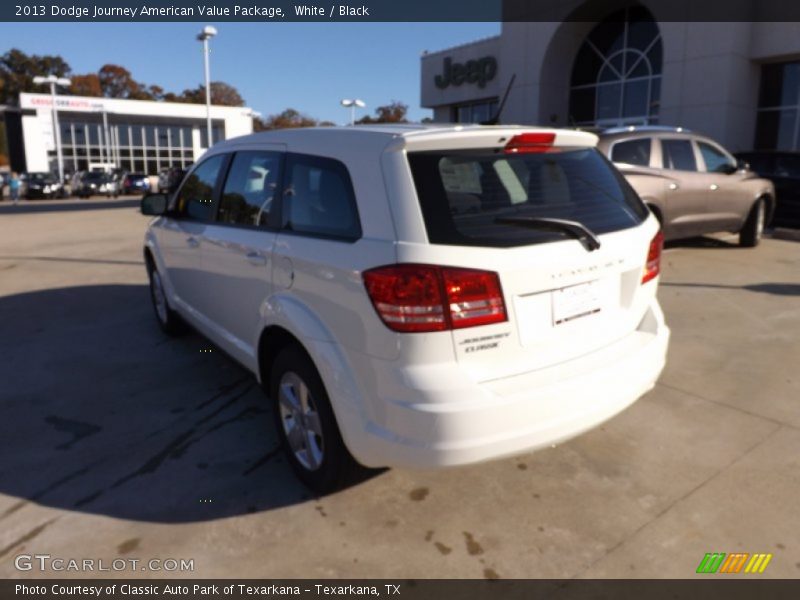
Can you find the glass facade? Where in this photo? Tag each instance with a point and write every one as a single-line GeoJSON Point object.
{"type": "Point", "coordinates": [777, 125]}
{"type": "Point", "coordinates": [145, 146]}
{"type": "Point", "coordinates": [474, 112]}
{"type": "Point", "coordinates": [616, 78]}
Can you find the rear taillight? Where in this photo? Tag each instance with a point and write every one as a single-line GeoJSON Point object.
{"type": "Point", "coordinates": [653, 265]}
{"type": "Point", "coordinates": [530, 142]}
{"type": "Point", "coordinates": [423, 298]}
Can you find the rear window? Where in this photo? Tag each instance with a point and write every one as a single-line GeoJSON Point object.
{"type": "Point", "coordinates": [463, 193]}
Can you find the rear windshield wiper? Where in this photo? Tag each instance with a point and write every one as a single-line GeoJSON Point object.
{"type": "Point", "coordinates": [572, 228]}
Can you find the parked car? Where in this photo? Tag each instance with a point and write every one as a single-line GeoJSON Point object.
{"type": "Point", "coordinates": [413, 296]}
{"type": "Point", "coordinates": [169, 179]}
{"type": "Point", "coordinates": [43, 185]}
{"type": "Point", "coordinates": [692, 184]}
{"type": "Point", "coordinates": [783, 169]}
{"type": "Point", "coordinates": [96, 183]}
{"type": "Point", "coordinates": [135, 183]}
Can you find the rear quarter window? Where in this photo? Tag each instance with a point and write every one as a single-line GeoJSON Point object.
{"type": "Point", "coordinates": [463, 193]}
{"type": "Point", "coordinates": [633, 152]}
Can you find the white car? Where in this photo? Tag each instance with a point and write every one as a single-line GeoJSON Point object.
{"type": "Point", "coordinates": [416, 296]}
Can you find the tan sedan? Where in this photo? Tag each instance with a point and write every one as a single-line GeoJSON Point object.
{"type": "Point", "coordinates": [692, 184]}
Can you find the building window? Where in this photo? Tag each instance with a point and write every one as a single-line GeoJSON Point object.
{"type": "Point", "coordinates": [474, 112]}
{"type": "Point", "coordinates": [616, 79]}
{"type": "Point", "coordinates": [778, 126]}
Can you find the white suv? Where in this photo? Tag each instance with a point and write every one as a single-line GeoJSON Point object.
{"type": "Point", "coordinates": [412, 296]}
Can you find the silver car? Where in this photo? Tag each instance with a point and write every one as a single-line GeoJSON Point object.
{"type": "Point", "coordinates": [692, 184]}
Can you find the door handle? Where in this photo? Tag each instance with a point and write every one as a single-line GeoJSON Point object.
{"type": "Point", "coordinates": [713, 187]}
{"type": "Point", "coordinates": [192, 242]}
{"type": "Point", "coordinates": [673, 186]}
{"type": "Point", "coordinates": [254, 258]}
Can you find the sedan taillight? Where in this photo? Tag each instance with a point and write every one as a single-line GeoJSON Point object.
{"type": "Point", "coordinates": [412, 298]}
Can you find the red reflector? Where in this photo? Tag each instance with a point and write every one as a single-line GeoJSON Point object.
{"type": "Point", "coordinates": [530, 142]}
{"type": "Point", "coordinates": [653, 266]}
{"type": "Point", "coordinates": [424, 298]}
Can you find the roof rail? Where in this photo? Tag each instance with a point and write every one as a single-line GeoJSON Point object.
{"type": "Point", "coordinates": [654, 128]}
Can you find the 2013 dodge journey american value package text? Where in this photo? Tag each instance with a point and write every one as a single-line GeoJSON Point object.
{"type": "Point", "coordinates": [416, 296]}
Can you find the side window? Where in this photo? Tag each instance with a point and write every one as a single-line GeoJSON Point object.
{"type": "Point", "coordinates": [196, 197]}
{"type": "Point", "coordinates": [318, 198]}
{"type": "Point", "coordinates": [716, 160]}
{"type": "Point", "coordinates": [247, 198]}
{"type": "Point", "coordinates": [633, 152]}
{"type": "Point", "coordinates": [678, 155]}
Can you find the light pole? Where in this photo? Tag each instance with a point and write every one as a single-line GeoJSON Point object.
{"type": "Point", "coordinates": [205, 35]}
{"type": "Point", "coordinates": [54, 81]}
{"type": "Point", "coordinates": [352, 104]}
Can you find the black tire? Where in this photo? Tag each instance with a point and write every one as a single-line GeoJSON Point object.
{"type": "Point", "coordinates": [751, 233]}
{"type": "Point", "coordinates": [335, 466]}
{"type": "Point", "coordinates": [169, 321]}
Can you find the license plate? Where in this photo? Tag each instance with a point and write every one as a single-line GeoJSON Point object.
{"type": "Point", "coordinates": [576, 301]}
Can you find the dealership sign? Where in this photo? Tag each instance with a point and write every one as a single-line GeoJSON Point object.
{"type": "Point", "coordinates": [477, 71]}
{"type": "Point", "coordinates": [62, 102]}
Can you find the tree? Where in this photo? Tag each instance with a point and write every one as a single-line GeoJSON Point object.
{"type": "Point", "coordinates": [394, 112]}
{"type": "Point", "coordinates": [17, 71]}
{"type": "Point", "coordinates": [117, 82]}
{"type": "Point", "coordinates": [86, 85]}
{"type": "Point", "coordinates": [288, 119]}
{"type": "Point", "coordinates": [222, 94]}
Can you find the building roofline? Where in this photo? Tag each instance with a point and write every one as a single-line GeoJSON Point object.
{"type": "Point", "coordinates": [427, 54]}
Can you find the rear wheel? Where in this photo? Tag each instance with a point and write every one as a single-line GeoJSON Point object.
{"type": "Point", "coordinates": [168, 319]}
{"type": "Point", "coordinates": [753, 228]}
{"type": "Point", "coordinates": [306, 424]}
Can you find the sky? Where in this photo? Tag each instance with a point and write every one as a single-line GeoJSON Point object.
{"type": "Point", "coordinates": [306, 66]}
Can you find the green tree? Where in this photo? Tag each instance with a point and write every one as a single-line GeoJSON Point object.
{"type": "Point", "coordinates": [18, 69]}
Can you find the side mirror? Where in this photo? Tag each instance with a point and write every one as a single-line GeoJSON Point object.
{"type": "Point", "coordinates": [154, 204]}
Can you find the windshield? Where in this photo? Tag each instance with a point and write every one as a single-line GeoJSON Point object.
{"type": "Point", "coordinates": [463, 194]}
{"type": "Point", "coordinates": [95, 176]}
{"type": "Point", "coordinates": [41, 177]}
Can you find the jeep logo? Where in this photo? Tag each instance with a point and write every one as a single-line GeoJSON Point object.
{"type": "Point", "coordinates": [473, 71]}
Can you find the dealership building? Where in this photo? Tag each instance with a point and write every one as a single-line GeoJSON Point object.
{"type": "Point", "coordinates": [135, 135]}
{"type": "Point", "coordinates": [602, 64]}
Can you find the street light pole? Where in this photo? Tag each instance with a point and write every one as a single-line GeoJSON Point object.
{"type": "Point", "coordinates": [53, 81]}
{"type": "Point", "coordinates": [205, 35]}
{"type": "Point", "coordinates": [352, 104]}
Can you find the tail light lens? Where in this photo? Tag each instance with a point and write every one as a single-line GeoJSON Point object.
{"type": "Point", "coordinates": [653, 265]}
{"type": "Point", "coordinates": [424, 298]}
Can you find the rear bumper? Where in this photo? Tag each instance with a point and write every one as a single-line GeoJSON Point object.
{"type": "Point", "coordinates": [455, 421]}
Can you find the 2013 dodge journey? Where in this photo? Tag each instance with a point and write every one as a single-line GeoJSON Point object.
{"type": "Point", "coordinates": [416, 296]}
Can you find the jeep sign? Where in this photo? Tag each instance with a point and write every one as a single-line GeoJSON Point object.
{"type": "Point", "coordinates": [473, 71]}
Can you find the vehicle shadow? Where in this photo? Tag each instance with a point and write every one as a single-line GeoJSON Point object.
{"type": "Point", "coordinates": [776, 289]}
{"type": "Point", "coordinates": [700, 242]}
{"type": "Point", "coordinates": [102, 413]}
{"type": "Point", "coordinates": [70, 205]}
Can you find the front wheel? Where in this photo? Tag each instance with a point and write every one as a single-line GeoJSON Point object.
{"type": "Point", "coordinates": [168, 319]}
{"type": "Point", "coordinates": [306, 424]}
{"type": "Point", "coordinates": [753, 228]}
